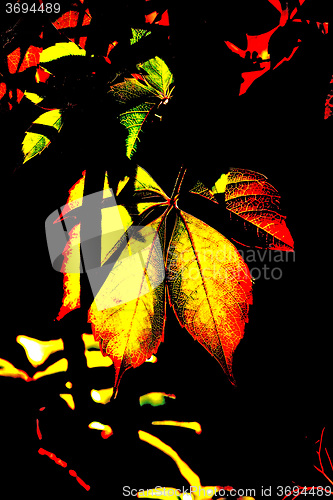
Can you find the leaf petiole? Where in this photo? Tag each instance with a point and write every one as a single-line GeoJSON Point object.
{"type": "Point", "coordinates": [177, 186]}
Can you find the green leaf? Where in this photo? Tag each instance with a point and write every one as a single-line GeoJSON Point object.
{"type": "Point", "coordinates": [149, 88]}
{"type": "Point", "coordinates": [158, 76]}
{"type": "Point", "coordinates": [133, 120]}
{"type": "Point", "coordinates": [131, 89]}
{"type": "Point", "coordinates": [137, 34]}
{"type": "Point", "coordinates": [34, 143]}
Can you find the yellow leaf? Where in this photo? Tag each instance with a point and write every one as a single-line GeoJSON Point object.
{"type": "Point", "coordinates": [210, 287]}
{"type": "Point", "coordinates": [52, 118]}
{"type": "Point", "coordinates": [144, 182]}
{"type": "Point", "coordinates": [34, 143]}
{"type": "Point", "coordinates": [220, 184]}
{"type": "Point", "coordinates": [60, 50]}
{"type": "Point", "coordinates": [132, 331]}
{"type": "Point", "coordinates": [33, 97]}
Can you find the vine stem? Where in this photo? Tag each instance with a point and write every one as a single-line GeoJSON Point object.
{"type": "Point", "coordinates": [178, 183]}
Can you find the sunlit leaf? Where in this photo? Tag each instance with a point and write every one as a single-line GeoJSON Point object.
{"type": "Point", "coordinates": [31, 57]}
{"type": "Point", "coordinates": [74, 22]}
{"type": "Point", "coordinates": [13, 60]}
{"type": "Point", "coordinates": [147, 194]}
{"type": "Point", "coordinates": [203, 191]}
{"type": "Point", "coordinates": [137, 34]}
{"type": "Point", "coordinates": [251, 197]}
{"type": "Point", "coordinates": [34, 143]}
{"type": "Point", "coordinates": [145, 186]}
{"type": "Point", "coordinates": [133, 120]}
{"type": "Point", "coordinates": [59, 50]}
{"type": "Point", "coordinates": [132, 331]}
{"type": "Point", "coordinates": [158, 76]}
{"type": "Point", "coordinates": [33, 97]}
{"type": "Point", "coordinates": [146, 90]}
{"type": "Point", "coordinates": [210, 287]}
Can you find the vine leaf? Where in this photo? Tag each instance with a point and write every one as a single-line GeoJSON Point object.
{"type": "Point", "coordinates": [141, 94]}
{"type": "Point", "coordinates": [251, 197]}
{"type": "Point", "coordinates": [201, 190]}
{"type": "Point", "coordinates": [130, 330]}
{"type": "Point", "coordinates": [145, 186]}
{"type": "Point", "coordinates": [137, 34]}
{"type": "Point", "coordinates": [61, 49]}
{"type": "Point", "coordinates": [13, 81]}
{"type": "Point", "coordinates": [34, 143]}
{"type": "Point", "coordinates": [158, 76]}
{"type": "Point", "coordinates": [147, 193]}
{"type": "Point", "coordinates": [133, 120]}
{"type": "Point", "coordinates": [74, 22]}
{"type": "Point", "coordinates": [33, 97]}
{"type": "Point", "coordinates": [210, 287]}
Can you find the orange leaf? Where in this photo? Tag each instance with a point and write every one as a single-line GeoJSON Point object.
{"type": "Point", "coordinates": [210, 287]}
{"type": "Point", "coordinates": [250, 196]}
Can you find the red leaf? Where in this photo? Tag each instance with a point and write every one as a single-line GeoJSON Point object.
{"type": "Point", "coordinates": [250, 196]}
{"type": "Point", "coordinates": [31, 58]}
{"type": "Point", "coordinates": [3, 89]}
{"type": "Point", "coordinates": [42, 75]}
{"type": "Point", "coordinates": [13, 60]}
{"type": "Point", "coordinates": [67, 20]}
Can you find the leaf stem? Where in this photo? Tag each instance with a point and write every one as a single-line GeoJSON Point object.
{"type": "Point", "coordinates": [178, 183]}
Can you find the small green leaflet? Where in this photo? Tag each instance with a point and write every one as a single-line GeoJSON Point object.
{"type": "Point", "coordinates": [133, 120]}
{"type": "Point", "coordinates": [158, 76]}
{"type": "Point", "coordinates": [137, 34]}
{"type": "Point", "coordinates": [148, 89]}
{"type": "Point", "coordinates": [33, 143]}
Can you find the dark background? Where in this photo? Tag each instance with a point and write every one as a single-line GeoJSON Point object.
{"type": "Point", "coordinates": [262, 432]}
